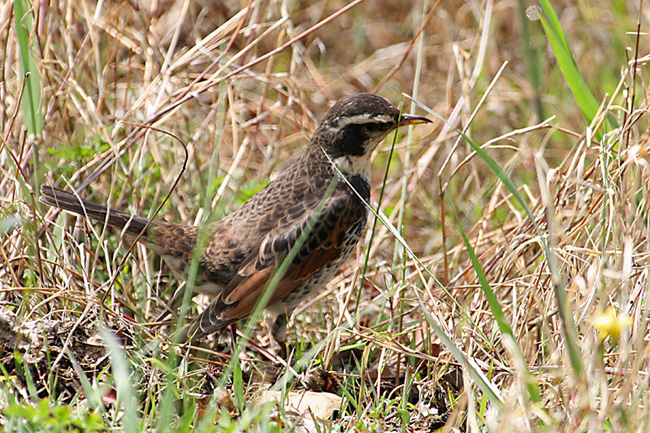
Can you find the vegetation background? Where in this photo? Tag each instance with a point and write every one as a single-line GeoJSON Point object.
{"type": "Point", "coordinates": [504, 287]}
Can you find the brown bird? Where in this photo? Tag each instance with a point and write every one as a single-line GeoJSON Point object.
{"type": "Point", "coordinates": [312, 205]}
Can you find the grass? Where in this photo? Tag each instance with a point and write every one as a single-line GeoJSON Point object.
{"type": "Point", "coordinates": [501, 288]}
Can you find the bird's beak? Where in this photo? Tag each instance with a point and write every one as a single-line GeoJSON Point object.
{"type": "Point", "coordinates": [409, 119]}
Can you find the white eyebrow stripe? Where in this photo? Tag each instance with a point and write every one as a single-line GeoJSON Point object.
{"type": "Point", "coordinates": [362, 119]}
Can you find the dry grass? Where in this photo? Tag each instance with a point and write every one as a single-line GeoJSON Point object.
{"type": "Point", "coordinates": [194, 118]}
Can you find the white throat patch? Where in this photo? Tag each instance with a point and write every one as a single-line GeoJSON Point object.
{"type": "Point", "coordinates": [351, 165]}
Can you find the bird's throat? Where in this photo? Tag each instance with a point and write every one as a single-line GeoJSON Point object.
{"type": "Point", "coordinates": [352, 166]}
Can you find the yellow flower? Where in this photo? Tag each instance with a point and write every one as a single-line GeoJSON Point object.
{"type": "Point", "coordinates": [609, 324]}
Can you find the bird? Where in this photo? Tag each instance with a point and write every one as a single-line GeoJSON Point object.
{"type": "Point", "coordinates": [318, 205]}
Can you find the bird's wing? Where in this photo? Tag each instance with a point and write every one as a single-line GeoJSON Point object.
{"type": "Point", "coordinates": [323, 243]}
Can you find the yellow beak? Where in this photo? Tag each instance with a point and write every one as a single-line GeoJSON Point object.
{"type": "Point", "coordinates": [409, 119]}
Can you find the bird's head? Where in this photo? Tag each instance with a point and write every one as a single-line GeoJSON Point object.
{"type": "Point", "coordinates": [356, 124]}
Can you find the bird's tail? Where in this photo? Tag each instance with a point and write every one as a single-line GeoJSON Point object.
{"type": "Point", "coordinates": [71, 202]}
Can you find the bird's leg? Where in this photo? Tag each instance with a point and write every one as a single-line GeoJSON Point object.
{"type": "Point", "coordinates": [233, 336]}
{"type": "Point", "coordinates": [279, 332]}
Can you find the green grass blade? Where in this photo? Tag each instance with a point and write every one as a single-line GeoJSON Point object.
{"type": "Point", "coordinates": [31, 101]}
{"type": "Point", "coordinates": [93, 396]}
{"type": "Point", "coordinates": [554, 25]}
{"type": "Point", "coordinates": [584, 98]}
{"type": "Point", "coordinates": [122, 379]}
{"type": "Point", "coordinates": [570, 330]}
{"type": "Point", "coordinates": [484, 384]}
{"type": "Point", "coordinates": [534, 60]}
{"type": "Point", "coordinates": [560, 292]}
{"type": "Point", "coordinates": [497, 312]}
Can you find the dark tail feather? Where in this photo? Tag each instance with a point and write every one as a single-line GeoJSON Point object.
{"type": "Point", "coordinates": [62, 199]}
{"type": "Point", "coordinates": [203, 325]}
{"type": "Point", "coordinates": [189, 332]}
